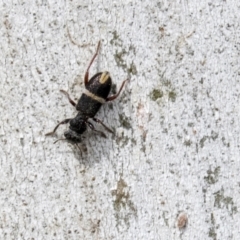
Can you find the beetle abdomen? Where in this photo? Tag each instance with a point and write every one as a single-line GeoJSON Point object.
{"type": "Point", "coordinates": [96, 93]}
{"type": "Point", "coordinates": [100, 84]}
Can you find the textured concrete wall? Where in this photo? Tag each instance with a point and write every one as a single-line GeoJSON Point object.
{"type": "Point", "coordinates": [175, 154]}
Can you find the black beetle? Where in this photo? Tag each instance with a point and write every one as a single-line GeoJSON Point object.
{"type": "Point", "coordinates": [96, 93]}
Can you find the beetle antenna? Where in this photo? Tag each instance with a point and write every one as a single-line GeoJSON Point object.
{"type": "Point", "coordinates": [60, 140]}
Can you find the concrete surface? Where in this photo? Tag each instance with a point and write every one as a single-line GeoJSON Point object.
{"type": "Point", "coordinates": [171, 171]}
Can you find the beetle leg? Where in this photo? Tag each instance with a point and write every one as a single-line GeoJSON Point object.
{"type": "Point", "coordinates": [69, 99]}
{"type": "Point", "coordinates": [87, 72]}
{"type": "Point", "coordinates": [99, 121]}
{"type": "Point", "coordinates": [93, 128]}
{"type": "Point", "coordinates": [116, 95]}
{"type": "Point", "coordinates": [54, 130]}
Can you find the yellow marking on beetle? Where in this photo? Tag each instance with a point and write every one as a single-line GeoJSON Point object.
{"type": "Point", "coordinates": [104, 77]}
{"type": "Point", "coordinates": [95, 97]}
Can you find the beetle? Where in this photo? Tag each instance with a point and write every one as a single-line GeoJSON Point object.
{"type": "Point", "coordinates": [95, 95]}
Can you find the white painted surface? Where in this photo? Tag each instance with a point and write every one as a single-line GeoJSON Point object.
{"type": "Point", "coordinates": [175, 154]}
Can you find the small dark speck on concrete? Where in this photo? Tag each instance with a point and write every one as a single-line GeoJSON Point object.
{"type": "Point", "coordinates": [156, 94]}
{"type": "Point", "coordinates": [172, 96]}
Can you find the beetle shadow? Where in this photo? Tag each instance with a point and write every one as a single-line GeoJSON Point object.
{"type": "Point", "coordinates": [92, 149]}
